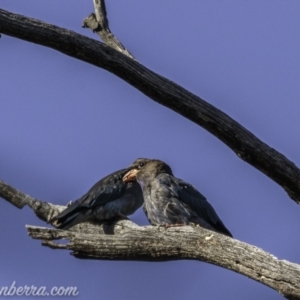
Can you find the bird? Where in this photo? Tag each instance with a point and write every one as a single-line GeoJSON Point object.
{"type": "Point", "coordinates": [170, 201]}
{"type": "Point", "coordinates": [108, 199]}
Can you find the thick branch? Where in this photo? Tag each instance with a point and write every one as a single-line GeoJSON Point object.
{"type": "Point", "coordinates": [99, 23]}
{"type": "Point", "coordinates": [127, 242]}
{"type": "Point", "coordinates": [240, 140]}
{"type": "Point", "coordinates": [124, 240]}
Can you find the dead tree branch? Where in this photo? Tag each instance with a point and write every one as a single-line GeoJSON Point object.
{"type": "Point", "coordinates": [124, 240]}
{"type": "Point", "coordinates": [246, 145]}
{"type": "Point", "coordinates": [98, 23]}
{"type": "Point", "coordinates": [129, 242]}
{"type": "Point", "coordinates": [42, 209]}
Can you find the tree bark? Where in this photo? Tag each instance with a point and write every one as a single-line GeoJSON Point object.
{"type": "Point", "coordinates": [124, 240]}
{"type": "Point", "coordinates": [128, 242]}
{"type": "Point", "coordinates": [246, 145]}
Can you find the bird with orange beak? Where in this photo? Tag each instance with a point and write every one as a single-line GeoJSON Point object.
{"type": "Point", "coordinates": [170, 201]}
{"type": "Point", "coordinates": [108, 199]}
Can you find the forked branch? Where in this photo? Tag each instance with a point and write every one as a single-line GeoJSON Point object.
{"type": "Point", "coordinates": [98, 23]}
{"type": "Point", "coordinates": [246, 145]}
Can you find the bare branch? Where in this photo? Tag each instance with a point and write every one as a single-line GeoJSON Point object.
{"type": "Point", "coordinates": [246, 145]}
{"type": "Point", "coordinates": [127, 242]}
{"type": "Point", "coordinates": [99, 23]}
{"type": "Point", "coordinates": [13, 196]}
{"type": "Point", "coordinates": [124, 240]}
{"type": "Point", "coordinates": [43, 210]}
{"type": "Point", "coordinates": [101, 13]}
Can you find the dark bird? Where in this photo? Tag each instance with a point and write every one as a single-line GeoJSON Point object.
{"type": "Point", "coordinates": [171, 201]}
{"type": "Point", "coordinates": [108, 199]}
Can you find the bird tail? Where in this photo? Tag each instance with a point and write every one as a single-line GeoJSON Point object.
{"type": "Point", "coordinates": [76, 213]}
{"type": "Point", "coordinates": [220, 227]}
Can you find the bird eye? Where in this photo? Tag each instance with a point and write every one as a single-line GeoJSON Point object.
{"type": "Point", "coordinates": [141, 164]}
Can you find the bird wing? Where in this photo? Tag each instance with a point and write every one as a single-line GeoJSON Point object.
{"type": "Point", "coordinates": [191, 197]}
{"type": "Point", "coordinates": [162, 205]}
{"type": "Point", "coordinates": [107, 189]}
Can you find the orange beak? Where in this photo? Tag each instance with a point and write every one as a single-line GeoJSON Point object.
{"type": "Point", "coordinates": [131, 175]}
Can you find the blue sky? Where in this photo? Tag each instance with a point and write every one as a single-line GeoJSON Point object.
{"type": "Point", "coordinates": [65, 124]}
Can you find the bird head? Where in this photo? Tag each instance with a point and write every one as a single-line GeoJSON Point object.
{"type": "Point", "coordinates": [139, 163]}
{"type": "Point", "coordinates": [146, 168]}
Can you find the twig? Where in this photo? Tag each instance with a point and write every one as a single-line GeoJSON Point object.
{"type": "Point", "coordinates": [99, 23]}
